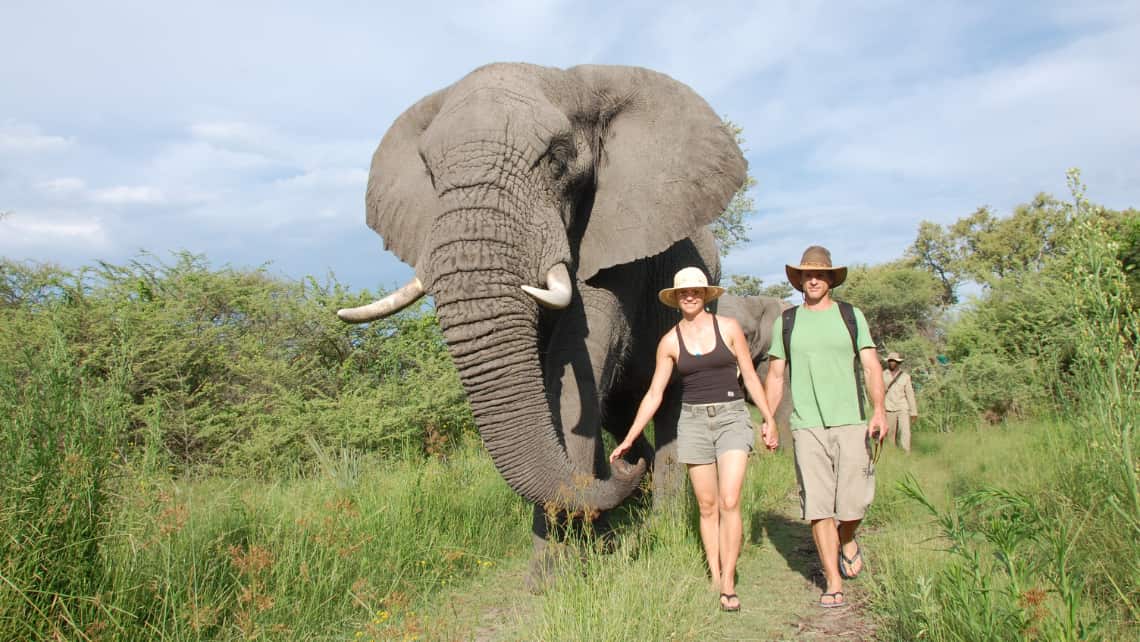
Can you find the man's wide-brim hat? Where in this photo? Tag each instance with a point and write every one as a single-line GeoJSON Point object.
{"type": "Point", "coordinates": [894, 356]}
{"type": "Point", "coordinates": [690, 277]}
{"type": "Point", "coordinates": [817, 258]}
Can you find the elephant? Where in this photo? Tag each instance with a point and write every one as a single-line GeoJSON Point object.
{"type": "Point", "coordinates": [542, 209]}
{"type": "Point", "coordinates": [756, 315]}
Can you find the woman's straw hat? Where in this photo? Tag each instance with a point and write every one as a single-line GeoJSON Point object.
{"type": "Point", "coordinates": [690, 277]}
{"type": "Point", "coordinates": [815, 257]}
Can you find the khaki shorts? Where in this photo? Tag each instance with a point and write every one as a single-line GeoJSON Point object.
{"type": "Point", "coordinates": [835, 473]}
{"type": "Point", "coordinates": [708, 430]}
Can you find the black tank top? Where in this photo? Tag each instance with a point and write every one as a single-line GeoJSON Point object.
{"type": "Point", "coordinates": [709, 378]}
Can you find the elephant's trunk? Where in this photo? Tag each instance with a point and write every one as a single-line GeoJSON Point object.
{"type": "Point", "coordinates": [491, 328]}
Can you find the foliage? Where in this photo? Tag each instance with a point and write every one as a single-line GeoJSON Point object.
{"type": "Point", "coordinates": [898, 300]}
{"type": "Point", "coordinates": [984, 248]}
{"type": "Point", "coordinates": [356, 548]}
{"type": "Point", "coordinates": [56, 487]}
{"type": "Point", "coordinates": [1009, 555]}
{"type": "Point", "coordinates": [234, 369]}
{"type": "Point", "coordinates": [729, 229]}
{"type": "Point", "coordinates": [1013, 350]}
{"type": "Point", "coordinates": [1055, 561]}
{"type": "Point", "coordinates": [743, 285]}
{"type": "Point", "coordinates": [934, 250]}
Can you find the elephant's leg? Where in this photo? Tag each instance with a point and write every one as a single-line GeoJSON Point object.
{"type": "Point", "coordinates": [580, 353]}
{"type": "Point", "coordinates": [550, 552]}
{"type": "Point", "coordinates": [668, 473]}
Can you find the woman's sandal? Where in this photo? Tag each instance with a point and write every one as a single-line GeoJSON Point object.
{"type": "Point", "coordinates": [845, 564]}
{"type": "Point", "coordinates": [728, 597]}
{"type": "Point", "coordinates": [837, 600]}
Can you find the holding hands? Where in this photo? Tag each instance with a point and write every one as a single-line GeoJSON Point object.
{"type": "Point", "coordinates": [769, 434]}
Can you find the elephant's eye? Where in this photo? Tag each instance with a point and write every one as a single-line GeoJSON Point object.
{"type": "Point", "coordinates": [557, 166]}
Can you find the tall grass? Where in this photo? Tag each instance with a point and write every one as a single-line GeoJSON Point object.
{"type": "Point", "coordinates": [1052, 555]}
{"type": "Point", "coordinates": [56, 492]}
{"type": "Point", "coordinates": [97, 547]}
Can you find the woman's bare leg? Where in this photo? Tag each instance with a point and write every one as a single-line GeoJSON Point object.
{"type": "Point", "coordinates": [731, 467]}
{"type": "Point", "coordinates": [704, 479]}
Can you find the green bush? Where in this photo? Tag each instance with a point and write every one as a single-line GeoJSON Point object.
{"type": "Point", "coordinates": [237, 370]}
{"type": "Point", "coordinates": [1056, 561]}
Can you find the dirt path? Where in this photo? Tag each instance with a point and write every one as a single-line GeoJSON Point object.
{"type": "Point", "coordinates": [779, 584]}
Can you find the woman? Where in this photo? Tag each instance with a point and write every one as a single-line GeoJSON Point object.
{"type": "Point", "coordinates": [714, 434]}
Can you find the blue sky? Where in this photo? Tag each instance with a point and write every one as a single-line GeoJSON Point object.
{"type": "Point", "coordinates": [244, 130]}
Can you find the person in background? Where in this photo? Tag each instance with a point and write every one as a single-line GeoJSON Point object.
{"type": "Point", "coordinates": [902, 410]}
{"type": "Point", "coordinates": [831, 439]}
{"type": "Point", "coordinates": [714, 433]}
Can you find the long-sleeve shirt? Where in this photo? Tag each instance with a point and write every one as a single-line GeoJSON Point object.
{"type": "Point", "coordinates": [900, 395]}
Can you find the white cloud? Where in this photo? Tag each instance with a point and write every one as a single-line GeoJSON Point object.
{"type": "Point", "coordinates": [62, 186]}
{"type": "Point", "coordinates": [327, 178]}
{"type": "Point", "coordinates": [129, 195]}
{"type": "Point", "coordinates": [18, 137]}
{"type": "Point", "coordinates": [36, 230]}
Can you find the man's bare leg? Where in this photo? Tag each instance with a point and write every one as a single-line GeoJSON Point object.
{"type": "Point", "coordinates": [826, 537]}
{"type": "Point", "coordinates": [848, 545]}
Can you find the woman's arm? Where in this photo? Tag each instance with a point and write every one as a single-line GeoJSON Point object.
{"type": "Point", "coordinates": [739, 345]}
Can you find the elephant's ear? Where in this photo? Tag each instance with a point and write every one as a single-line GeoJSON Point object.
{"type": "Point", "coordinates": [400, 202]}
{"type": "Point", "coordinates": [667, 165]}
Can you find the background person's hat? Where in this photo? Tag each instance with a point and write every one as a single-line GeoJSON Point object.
{"type": "Point", "coordinates": [690, 277]}
{"type": "Point", "coordinates": [815, 257]}
{"type": "Point", "coordinates": [894, 356]}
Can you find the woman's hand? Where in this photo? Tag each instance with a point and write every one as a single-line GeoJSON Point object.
{"type": "Point", "coordinates": [620, 450]}
{"type": "Point", "coordinates": [770, 433]}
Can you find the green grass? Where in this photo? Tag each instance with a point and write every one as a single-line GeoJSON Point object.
{"type": "Point", "coordinates": [984, 535]}
{"type": "Point", "coordinates": [232, 559]}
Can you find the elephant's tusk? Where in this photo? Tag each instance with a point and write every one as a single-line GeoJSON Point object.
{"type": "Point", "coordinates": [389, 305]}
{"type": "Point", "coordinates": [557, 293]}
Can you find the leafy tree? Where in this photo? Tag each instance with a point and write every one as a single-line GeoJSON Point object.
{"type": "Point", "coordinates": [730, 230]}
{"type": "Point", "coordinates": [1022, 242]}
{"type": "Point", "coordinates": [900, 300]}
{"type": "Point", "coordinates": [934, 249]}
{"type": "Point", "coordinates": [744, 285]}
{"type": "Point", "coordinates": [985, 248]}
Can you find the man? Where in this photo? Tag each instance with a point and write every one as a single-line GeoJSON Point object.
{"type": "Point", "coordinates": [830, 437]}
{"type": "Point", "coordinates": [902, 410]}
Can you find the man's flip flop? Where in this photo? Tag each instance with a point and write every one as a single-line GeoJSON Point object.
{"type": "Point", "coordinates": [845, 564]}
{"type": "Point", "coordinates": [836, 600]}
{"type": "Point", "coordinates": [725, 597]}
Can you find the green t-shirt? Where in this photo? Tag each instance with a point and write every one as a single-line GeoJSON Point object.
{"type": "Point", "coordinates": [823, 376]}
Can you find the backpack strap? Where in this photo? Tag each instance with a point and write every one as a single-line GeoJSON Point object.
{"type": "Point", "coordinates": [789, 318]}
{"type": "Point", "coordinates": [847, 311]}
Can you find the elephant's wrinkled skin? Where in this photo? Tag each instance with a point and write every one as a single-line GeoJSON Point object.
{"type": "Point", "coordinates": [490, 185]}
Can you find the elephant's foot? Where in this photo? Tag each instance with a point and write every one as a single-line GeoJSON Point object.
{"type": "Point", "coordinates": [549, 562]}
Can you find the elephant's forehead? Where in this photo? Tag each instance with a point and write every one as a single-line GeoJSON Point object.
{"type": "Point", "coordinates": [525, 120]}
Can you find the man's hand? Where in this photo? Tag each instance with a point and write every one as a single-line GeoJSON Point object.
{"type": "Point", "coordinates": [770, 434]}
{"type": "Point", "coordinates": [877, 428]}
